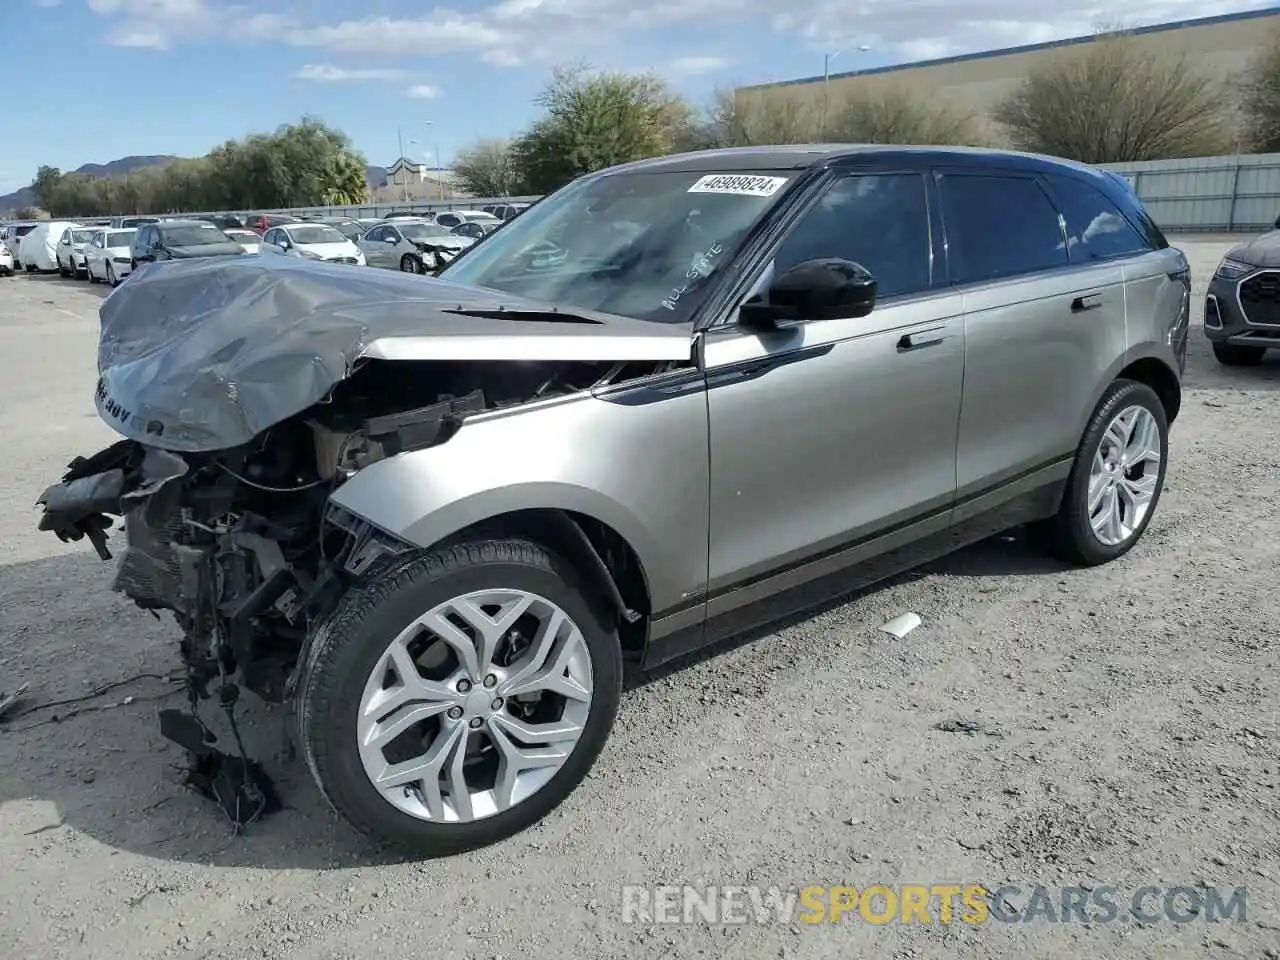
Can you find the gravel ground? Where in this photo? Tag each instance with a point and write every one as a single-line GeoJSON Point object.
{"type": "Point", "coordinates": [1109, 726]}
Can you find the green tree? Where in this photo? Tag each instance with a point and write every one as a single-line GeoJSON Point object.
{"type": "Point", "coordinates": [595, 120]}
{"type": "Point", "coordinates": [1259, 95]}
{"type": "Point", "coordinates": [1115, 102]}
{"type": "Point", "coordinates": [45, 185]}
{"type": "Point", "coordinates": [487, 169]}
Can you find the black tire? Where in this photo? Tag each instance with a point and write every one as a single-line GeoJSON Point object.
{"type": "Point", "coordinates": [1067, 535]}
{"type": "Point", "coordinates": [111, 276]}
{"type": "Point", "coordinates": [62, 271]}
{"type": "Point", "coordinates": [347, 647]}
{"type": "Point", "coordinates": [408, 264]}
{"type": "Point", "coordinates": [1235, 355]}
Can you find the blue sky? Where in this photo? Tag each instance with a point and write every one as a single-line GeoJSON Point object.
{"type": "Point", "coordinates": [121, 77]}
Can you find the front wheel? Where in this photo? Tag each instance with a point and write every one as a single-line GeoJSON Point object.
{"type": "Point", "coordinates": [460, 696]}
{"type": "Point", "coordinates": [1234, 355]}
{"type": "Point", "coordinates": [1116, 480]}
{"type": "Point", "coordinates": [409, 264]}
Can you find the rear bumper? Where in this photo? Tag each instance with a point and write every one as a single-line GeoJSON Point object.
{"type": "Point", "coordinates": [1244, 312]}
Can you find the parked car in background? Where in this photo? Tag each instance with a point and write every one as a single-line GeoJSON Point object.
{"type": "Point", "coordinates": [70, 251]}
{"type": "Point", "coordinates": [39, 249]}
{"type": "Point", "coordinates": [107, 257]}
{"type": "Point", "coordinates": [223, 221]}
{"type": "Point", "coordinates": [505, 211]}
{"type": "Point", "coordinates": [12, 237]}
{"type": "Point", "coordinates": [180, 240]}
{"type": "Point", "coordinates": [312, 241]}
{"type": "Point", "coordinates": [250, 241]}
{"type": "Point", "coordinates": [411, 246]}
{"type": "Point", "coordinates": [6, 260]}
{"type": "Point", "coordinates": [352, 229]}
{"type": "Point", "coordinates": [795, 371]}
{"type": "Point", "coordinates": [263, 222]}
{"type": "Point", "coordinates": [476, 229]}
{"type": "Point", "coordinates": [451, 218]}
{"type": "Point", "coordinates": [125, 223]}
{"type": "Point", "coordinates": [1242, 303]}
{"type": "Point", "coordinates": [406, 215]}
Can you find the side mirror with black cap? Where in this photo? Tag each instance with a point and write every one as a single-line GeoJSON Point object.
{"type": "Point", "coordinates": [826, 289]}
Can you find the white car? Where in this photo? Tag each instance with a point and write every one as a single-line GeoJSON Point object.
{"type": "Point", "coordinates": [411, 246]}
{"type": "Point", "coordinates": [107, 257]}
{"type": "Point", "coordinates": [452, 218]}
{"type": "Point", "coordinates": [39, 250]}
{"type": "Point", "coordinates": [313, 241]}
{"type": "Point", "coordinates": [249, 241]}
{"type": "Point", "coordinates": [70, 250]}
{"type": "Point", "coordinates": [6, 261]}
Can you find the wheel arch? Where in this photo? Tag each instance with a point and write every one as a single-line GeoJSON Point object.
{"type": "Point", "coordinates": [606, 558]}
{"type": "Point", "coordinates": [1157, 375]}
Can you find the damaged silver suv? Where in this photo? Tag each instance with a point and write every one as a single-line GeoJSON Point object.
{"type": "Point", "coordinates": [438, 514]}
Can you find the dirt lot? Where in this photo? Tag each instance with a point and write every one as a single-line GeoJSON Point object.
{"type": "Point", "coordinates": [1124, 729]}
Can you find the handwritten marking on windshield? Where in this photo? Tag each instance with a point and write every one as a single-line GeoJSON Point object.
{"type": "Point", "coordinates": [700, 267]}
{"type": "Point", "coordinates": [739, 184]}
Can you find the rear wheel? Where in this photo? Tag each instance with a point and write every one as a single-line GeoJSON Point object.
{"type": "Point", "coordinates": [1115, 482]}
{"type": "Point", "coordinates": [1234, 355]}
{"type": "Point", "coordinates": [460, 696]}
{"type": "Point", "coordinates": [111, 275]}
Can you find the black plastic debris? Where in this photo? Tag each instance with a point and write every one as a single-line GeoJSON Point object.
{"type": "Point", "coordinates": [240, 787]}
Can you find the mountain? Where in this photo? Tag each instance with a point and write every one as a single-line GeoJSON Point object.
{"type": "Point", "coordinates": [116, 168]}
{"type": "Point", "coordinates": [377, 177]}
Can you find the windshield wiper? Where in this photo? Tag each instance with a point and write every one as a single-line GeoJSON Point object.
{"type": "Point", "coordinates": [543, 314]}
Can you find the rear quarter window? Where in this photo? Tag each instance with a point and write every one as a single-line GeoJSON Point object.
{"type": "Point", "coordinates": [1096, 227]}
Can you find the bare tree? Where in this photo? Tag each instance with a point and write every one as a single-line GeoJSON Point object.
{"type": "Point", "coordinates": [1114, 102]}
{"type": "Point", "coordinates": [1259, 89]}
{"type": "Point", "coordinates": [486, 169]}
{"type": "Point", "coordinates": [748, 118]}
{"type": "Point", "coordinates": [897, 116]}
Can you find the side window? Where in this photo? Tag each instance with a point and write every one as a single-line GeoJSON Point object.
{"type": "Point", "coordinates": [878, 220]}
{"type": "Point", "coordinates": [391, 233]}
{"type": "Point", "coordinates": [999, 226]}
{"type": "Point", "coordinates": [1096, 229]}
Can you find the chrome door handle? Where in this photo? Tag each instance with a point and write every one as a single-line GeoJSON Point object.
{"type": "Point", "coordinates": [1090, 301]}
{"type": "Point", "coordinates": [921, 338]}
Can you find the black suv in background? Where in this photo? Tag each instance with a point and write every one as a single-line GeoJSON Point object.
{"type": "Point", "coordinates": [1242, 304]}
{"type": "Point", "coordinates": [180, 240]}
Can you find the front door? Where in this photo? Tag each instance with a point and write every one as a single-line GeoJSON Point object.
{"type": "Point", "coordinates": [836, 439]}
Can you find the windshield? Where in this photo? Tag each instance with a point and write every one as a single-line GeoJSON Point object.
{"type": "Point", "coordinates": [420, 231]}
{"type": "Point", "coordinates": [193, 236]}
{"type": "Point", "coordinates": [120, 238]}
{"type": "Point", "coordinates": [82, 236]}
{"type": "Point", "coordinates": [349, 230]}
{"type": "Point", "coordinates": [639, 244]}
{"type": "Point", "coordinates": [315, 233]}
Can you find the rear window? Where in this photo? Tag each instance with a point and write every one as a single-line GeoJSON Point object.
{"type": "Point", "coordinates": [120, 238]}
{"type": "Point", "coordinates": [999, 226]}
{"type": "Point", "coordinates": [23, 231]}
{"type": "Point", "coordinates": [82, 236]}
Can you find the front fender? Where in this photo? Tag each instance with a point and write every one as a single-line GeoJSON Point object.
{"type": "Point", "coordinates": [634, 461]}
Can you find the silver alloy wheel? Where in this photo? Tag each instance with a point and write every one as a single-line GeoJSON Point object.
{"type": "Point", "coordinates": [475, 706]}
{"type": "Point", "coordinates": [1124, 474]}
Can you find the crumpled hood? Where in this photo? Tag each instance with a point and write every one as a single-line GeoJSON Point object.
{"type": "Point", "coordinates": [1262, 251]}
{"type": "Point", "coordinates": [203, 355]}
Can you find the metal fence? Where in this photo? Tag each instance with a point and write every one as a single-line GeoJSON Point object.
{"type": "Point", "coordinates": [1209, 194]}
{"type": "Point", "coordinates": [1200, 194]}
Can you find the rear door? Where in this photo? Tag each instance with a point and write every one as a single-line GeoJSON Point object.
{"type": "Point", "coordinates": [1042, 328]}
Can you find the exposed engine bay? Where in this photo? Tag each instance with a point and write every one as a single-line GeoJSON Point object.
{"type": "Point", "coordinates": [242, 545]}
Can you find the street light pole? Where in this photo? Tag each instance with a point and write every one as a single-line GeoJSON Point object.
{"type": "Point", "coordinates": [404, 180]}
{"type": "Point", "coordinates": [826, 85]}
{"type": "Point", "coordinates": [436, 145]}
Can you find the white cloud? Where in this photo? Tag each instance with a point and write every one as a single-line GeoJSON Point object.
{"type": "Point", "coordinates": [694, 66]}
{"type": "Point", "coordinates": [326, 73]}
{"type": "Point", "coordinates": [422, 91]}
{"type": "Point", "coordinates": [511, 32]}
